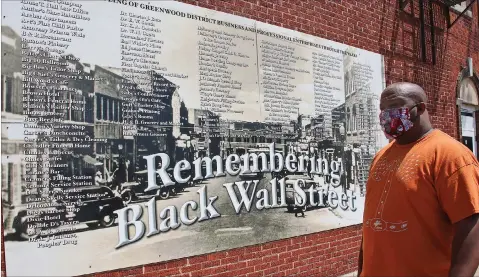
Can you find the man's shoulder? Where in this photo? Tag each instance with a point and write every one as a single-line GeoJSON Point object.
{"type": "Point", "coordinates": [450, 155]}
{"type": "Point", "coordinates": [447, 146]}
{"type": "Point", "coordinates": [439, 147]}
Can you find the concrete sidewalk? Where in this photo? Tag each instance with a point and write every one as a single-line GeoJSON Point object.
{"type": "Point", "coordinates": [355, 273]}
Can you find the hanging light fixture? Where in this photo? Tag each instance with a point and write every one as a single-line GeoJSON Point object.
{"type": "Point", "coordinates": [470, 68]}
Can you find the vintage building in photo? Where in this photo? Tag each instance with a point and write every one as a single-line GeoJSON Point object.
{"type": "Point", "coordinates": [240, 137]}
{"type": "Point", "coordinates": [13, 144]}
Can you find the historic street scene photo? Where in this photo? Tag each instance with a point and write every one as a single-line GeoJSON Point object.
{"type": "Point", "coordinates": [82, 135]}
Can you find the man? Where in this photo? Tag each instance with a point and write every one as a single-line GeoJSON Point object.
{"type": "Point", "coordinates": [298, 210]}
{"type": "Point", "coordinates": [99, 178]}
{"type": "Point", "coordinates": [421, 214]}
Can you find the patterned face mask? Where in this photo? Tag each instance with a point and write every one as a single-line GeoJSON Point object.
{"type": "Point", "coordinates": [395, 122]}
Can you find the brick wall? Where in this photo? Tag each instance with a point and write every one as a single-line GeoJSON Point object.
{"type": "Point", "coordinates": [374, 25]}
{"type": "Point", "coordinates": [329, 253]}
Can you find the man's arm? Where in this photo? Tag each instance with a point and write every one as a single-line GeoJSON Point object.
{"type": "Point", "coordinates": [360, 259]}
{"type": "Point", "coordinates": [465, 253]}
{"type": "Point", "coordinates": [457, 187]}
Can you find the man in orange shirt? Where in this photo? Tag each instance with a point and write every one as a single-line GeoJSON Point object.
{"type": "Point", "coordinates": [421, 215]}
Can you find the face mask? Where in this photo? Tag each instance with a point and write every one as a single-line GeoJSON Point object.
{"type": "Point", "coordinates": [395, 122]}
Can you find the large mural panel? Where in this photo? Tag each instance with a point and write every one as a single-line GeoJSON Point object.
{"type": "Point", "coordinates": [136, 132]}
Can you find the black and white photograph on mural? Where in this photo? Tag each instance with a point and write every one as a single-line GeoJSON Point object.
{"type": "Point", "coordinates": [149, 131]}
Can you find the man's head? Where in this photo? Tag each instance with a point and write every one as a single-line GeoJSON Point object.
{"type": "Point", "coordinates": [403, 112]}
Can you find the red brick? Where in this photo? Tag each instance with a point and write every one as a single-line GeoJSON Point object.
{"type": "Point", "coordinates": [284, 267]}
{"type": "Point", "coordinates": [229, 260]}
{"type": "Point", "coordinates": [236, 266]}
{"type": "Point", "coordinates": [154, 267]}
{"type": "Point", "coordinates": [284, 255]}
{"type": "Point", "coordinates": [292, 271]}
{"type": "Point", "coordinates": [262, 266]}
{"type": "Point", "coordinates": [236, 252]}
{"type": "Point", "coordinates": [222, 274]}
{"type": "Point", "coordinates": [211, 263]}
{"type": "Point", "coordinates": [291, 259]}
{"type": "Point", "coordinates": [191, 268]}
{"type": "Point", "coordinates": [197, 259]}
{"type": "Point", "coordinates": [177, 263]}
{"type": "Point", "coordinates": [255, 274]}
{"type": "Point", "coordinates": [255, 248]}
{"type": "Point", "coordinates": [254, 262]}
{"type": "Point", "coordinates": [165, 272]}
{"type": "Point", "coordinates": [271, 270]}
{"type": "Point", "coordinates": [217, 256]}
{"type": "Point", "coordinates": [249, 256]}
{"type": "Point", "coordinates": [271, 258]}
{"type": "Point", "coordinates": [280, 249]}
{"type": "Point", "coordinates": [294, 247]}
{"type": "Point", "coordinates": [266, 252]}
{"type": "Point", "coordinates": [132, 271]}
{"type": "Point", "coordinates": [241, 271]}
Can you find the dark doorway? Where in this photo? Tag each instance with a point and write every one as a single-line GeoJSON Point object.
{"type": "Point", "coordinates": [467, 141]}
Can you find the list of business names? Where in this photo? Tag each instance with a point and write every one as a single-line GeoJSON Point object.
{"type": "Point", "coordinates": [51, 99]}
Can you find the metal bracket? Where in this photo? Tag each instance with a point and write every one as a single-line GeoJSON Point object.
{"type": "Point", "coordinates": [446, 5]}
{"type": "Point", "coordinates": [422, 31]}
{"type": "Point", "coordinates": [433, 32]}
{"type": "Point", "coordinates": [449, 24]}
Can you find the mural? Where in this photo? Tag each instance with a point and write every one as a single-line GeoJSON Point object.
{"type": "Point", "coordinates": [138, 132]}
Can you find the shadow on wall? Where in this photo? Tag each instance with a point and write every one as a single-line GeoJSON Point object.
{"type": "Point", "coordinates": [402, 48]}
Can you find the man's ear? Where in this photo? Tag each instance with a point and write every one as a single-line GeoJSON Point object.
{"type": "Point", "coordinates": [421, 108]}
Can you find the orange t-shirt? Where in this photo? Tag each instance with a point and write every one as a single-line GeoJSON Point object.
{"type": "Point", "coordinates": [414, 195]}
